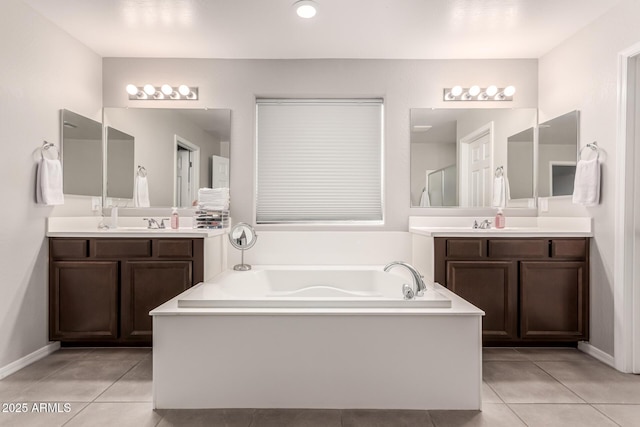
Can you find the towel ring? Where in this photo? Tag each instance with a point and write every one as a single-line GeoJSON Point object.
{"type": "Point", "coordinates": [499, 171]}
{"type": "Point", "coordinates": [142, 171]}
{"type": "Point", "coordinates": [593, 146]}
{"type": "Point", "coordinates": [46, 146]}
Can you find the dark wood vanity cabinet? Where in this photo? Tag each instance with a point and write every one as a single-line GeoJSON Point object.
{"type": "Point", "coordinates": [101, 290]}
{"type": "Point", "coordinates": [533, 290]}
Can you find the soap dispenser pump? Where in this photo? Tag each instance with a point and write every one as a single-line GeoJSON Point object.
{"type": "Point", "coordinates": [175, 219]}
{"type": "Point", "coordinates": [499, 219]}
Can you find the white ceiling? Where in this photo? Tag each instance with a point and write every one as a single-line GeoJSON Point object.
{"type": "Point", "coordinates": [409, 29]}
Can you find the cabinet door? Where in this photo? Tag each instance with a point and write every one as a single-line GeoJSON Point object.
{"type": "Point", "coordinates": [491, 286]}
{"type": "Point", "coordinates": [553, 300]}
{"type": "Point", "coordinates": [83, 301]}
{"type": "Point", "coordinates": [146, 285]}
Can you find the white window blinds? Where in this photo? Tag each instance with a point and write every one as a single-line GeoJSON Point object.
{"type": "Point", "coordinates": [319, 161]}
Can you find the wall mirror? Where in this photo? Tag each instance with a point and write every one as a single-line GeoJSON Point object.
{"type": "Point", "coordinates": [81, 154]}
{"type": "Point", "coordinates": [120, 150]}
{"type": "Point", "coordinates": [558, 143]}
{"type": "Point", "coordinates": [455, 153]}
{"type": "Point", "coordinates": [181, 150]}
{"type": "Point", "coordinates": [520, 163]}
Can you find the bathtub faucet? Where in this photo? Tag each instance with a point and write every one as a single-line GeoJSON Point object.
{"type": "Point", "coordinates": [418, 283]}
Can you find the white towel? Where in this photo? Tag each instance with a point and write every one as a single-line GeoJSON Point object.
{"type": "Point", "coordinates": [499, 199]}
{"type": "Point", "coordinates": [49, 182]}
{"type": "Point", "coordinates": [586, 186]}
{"type": "Point", "coordinates": [141, 192]}
{"type": "Point", "coordinates": [424, 199]}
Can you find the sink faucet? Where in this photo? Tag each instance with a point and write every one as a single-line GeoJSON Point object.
{"type": "Point", "coordinates": [418, 283]}
{"type": "Point", "coordinates": [153, 223]}
{"type": "Point", "coordinates": [483, 225]}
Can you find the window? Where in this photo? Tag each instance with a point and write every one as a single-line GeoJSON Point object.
{"type": "Point", "coordinates": [319, 161]}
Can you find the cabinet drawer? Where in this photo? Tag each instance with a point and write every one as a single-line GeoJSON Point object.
{"type": "Point", "coordinates": [465, 248]}
{"type": "Point", "coordinates": [569, 248]}
{"type": "Point", "coordinates": [173, 248]}
{"type": "Point", "coordinates": [518, 248]}
{"type": "Point", "coordinates": [69, 248]}
{"type": "Point", "coordinates": [121, 248]}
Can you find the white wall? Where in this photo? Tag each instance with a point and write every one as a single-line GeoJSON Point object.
{"type": "Point", "coordinates": [43, 70]}
{"type": "Point", "coordinates": [404, 84]}
{"type": "Point", "coordinates": [581, 74]}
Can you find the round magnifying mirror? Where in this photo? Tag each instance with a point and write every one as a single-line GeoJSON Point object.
{"type": "Point", "coordinates": [242, 236]}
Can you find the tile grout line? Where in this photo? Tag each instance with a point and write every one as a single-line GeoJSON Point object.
{"type": "Point", "coordinates": [103, 391]}
{"type": "Point", "coordinates": [494, 391]}
{"type": "Point", "coordinates": [561, 383]}
{"type": "Point", "coordinates": [608, 417]}
{"type": "Point", "coordinates": [516, 414]}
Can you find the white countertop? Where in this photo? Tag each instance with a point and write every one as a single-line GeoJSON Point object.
{"type": "Point", "coordinates": [128, 227]}
{"type": "Point", "coordinates": [516, 227]}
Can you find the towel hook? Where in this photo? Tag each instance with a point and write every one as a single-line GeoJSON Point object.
{"type": "Point", "coordinates": [142, 171]}
{"type": "Point", "coordinates": [499, 171]}
{"type": "Point", "coordinates": [593, 146]}
{"type": "Point", "coordinates": [46, 146]}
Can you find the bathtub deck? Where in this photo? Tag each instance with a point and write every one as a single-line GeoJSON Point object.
{"type": "Point", "coordinates": [318, 358]}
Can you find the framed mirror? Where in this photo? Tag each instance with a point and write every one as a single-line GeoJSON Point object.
{"type": "Point", "coordinates": [181, 150]}
{"type": "Point", "coordinates": [81, 154]}
{"type": "Point", "coordinates": [558, 144]}
{"type": "Point", "coordinates": [455, 153]}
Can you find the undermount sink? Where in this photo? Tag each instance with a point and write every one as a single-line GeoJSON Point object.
{"type": "Point", "coordinates": [502, 229]}
{"type": "Point", "coordinates": [137, 229]}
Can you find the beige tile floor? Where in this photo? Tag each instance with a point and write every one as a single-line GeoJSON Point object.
{"type": "Point", "coordinates": [522, 387]}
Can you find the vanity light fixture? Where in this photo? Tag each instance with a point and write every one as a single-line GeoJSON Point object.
{"type": "Point", "coordinates": [306, 8]}
{"type": "Point", "coordinates": [453, 93]}
{"type": "Point", "coordinates": [163, 92]}
{"type": "Point", "coordinates": [476, 93]}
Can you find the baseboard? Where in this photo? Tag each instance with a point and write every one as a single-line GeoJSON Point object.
{"type": "Point", "coordinates": [27, 360]}
{"type": "Point", "coordinates": [596, 353]}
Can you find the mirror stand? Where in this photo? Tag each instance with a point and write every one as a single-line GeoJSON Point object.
{"type": "Point", "coordinates": [242, 266]}
{"type": "Point", "coordinates": [242, 236]}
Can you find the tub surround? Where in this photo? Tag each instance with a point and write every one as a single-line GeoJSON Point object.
{"type": "Point", "coordinates": [382, 358]}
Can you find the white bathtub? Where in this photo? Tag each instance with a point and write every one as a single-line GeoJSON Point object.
{"type": "Point", "coordinates": [249, 354]}
{"type": "Point", "coordinates": [308, 288]}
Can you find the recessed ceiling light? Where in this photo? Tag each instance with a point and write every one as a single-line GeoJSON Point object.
{"type": "Point", "coordinates": [306, 8]}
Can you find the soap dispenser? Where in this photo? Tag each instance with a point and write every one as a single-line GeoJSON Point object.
{"type": "Point", "coordinates": [499, 220]}
{"type": "Point", "coordinates": [175, 219]}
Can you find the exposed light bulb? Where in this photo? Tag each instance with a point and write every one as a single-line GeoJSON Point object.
{"type": "Point", "coordinates": [456, 91]}
{"type": "Point", "coordinates": [166, 89]}
{"type": "Point", "coordinates": [509, 90]}
{"type": "Point", "coordinates": [149, 89]}
{"type": "Point", "coordinates": [184, 90]}
{"type": "Point", "coordinates": [306, 9]}
{"type": "Point", "coordinates": [132, 89]}
{"type": "Point", "coordinates": [492, 90]}
{"type": "Point", "coordinates": [474, 90]}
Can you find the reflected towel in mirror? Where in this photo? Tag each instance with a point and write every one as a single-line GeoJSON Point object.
{"type": "Point", "coordinates": [141, 192]}
{"type": "Point", "coordinates": [500, 192]}
{"type": "Point", "coordinates": [49, 182]}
